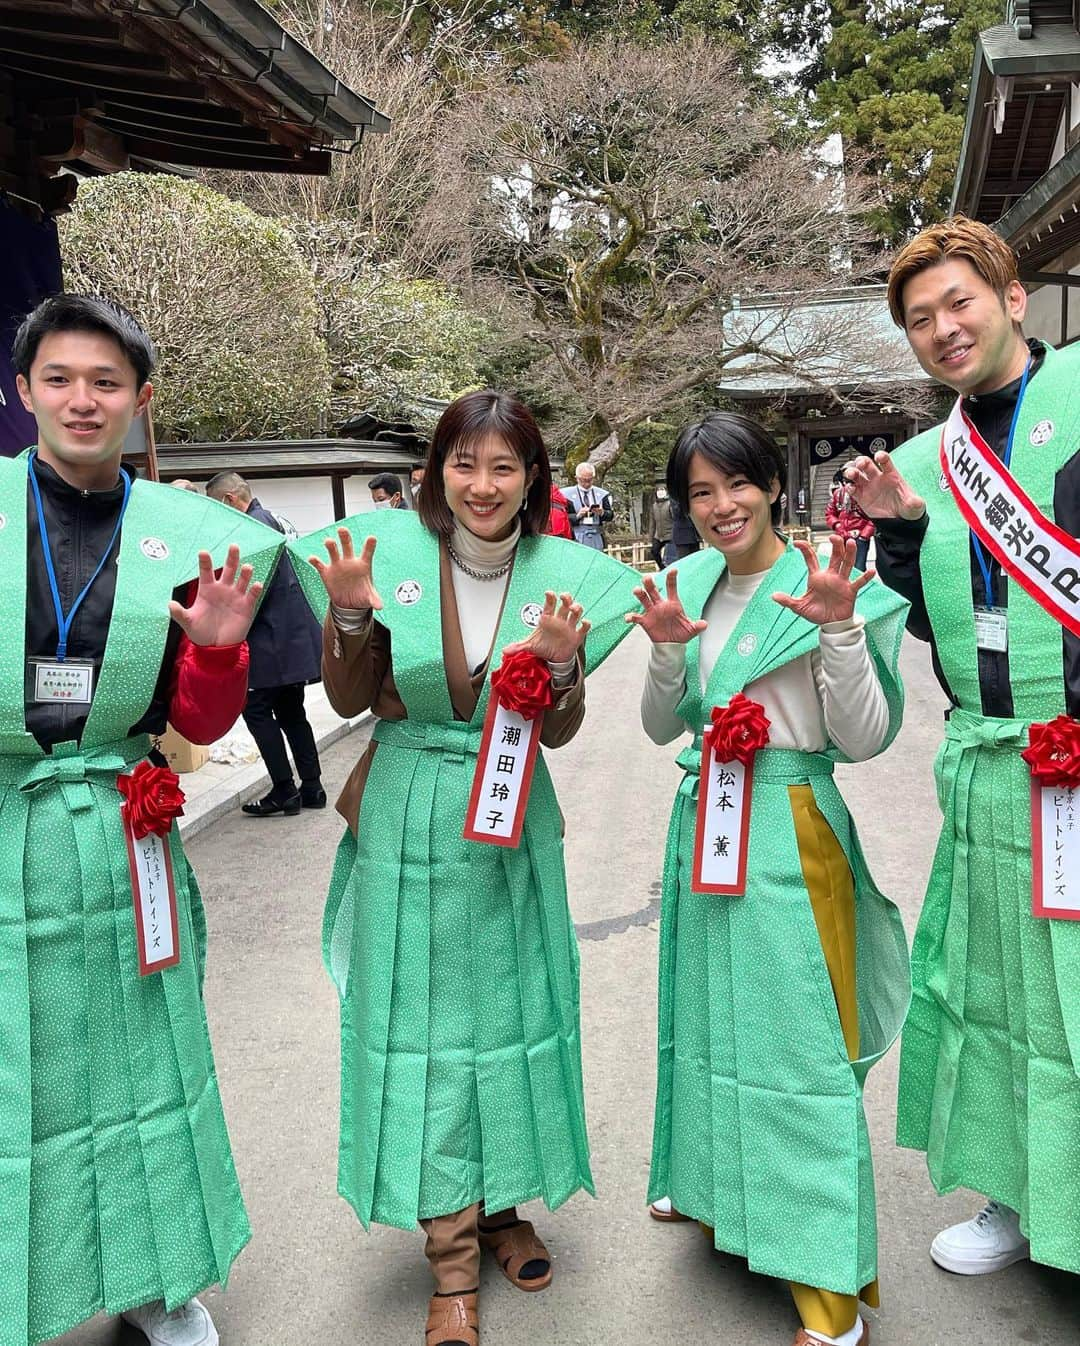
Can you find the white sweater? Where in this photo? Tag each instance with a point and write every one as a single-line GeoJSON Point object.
{"type": "Point", "coordinates": [832, 694]}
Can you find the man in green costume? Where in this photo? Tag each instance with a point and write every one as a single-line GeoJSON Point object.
{"type": "Point", "coordinates": [117, 1186]}
{"type": "Point", "coordinates": [989, 1083]}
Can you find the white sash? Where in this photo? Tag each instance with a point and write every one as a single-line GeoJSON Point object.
{"type": "Point", "coordinates": [1033, 550]}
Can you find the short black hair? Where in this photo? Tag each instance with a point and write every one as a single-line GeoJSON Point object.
{"type": "Point", "coordinates": [732, 444]}
{"type": "Point", "coordinates": [83, 313]}
{"type": "Point", "coordinates": [385, 481]}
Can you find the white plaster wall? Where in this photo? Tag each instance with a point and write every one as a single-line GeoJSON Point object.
{"type": "Point", "coordinates": [308, 502]}
{"type": "Point", "coordinates": [1044, 314]}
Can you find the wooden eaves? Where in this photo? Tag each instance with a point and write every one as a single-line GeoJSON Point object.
{"type": "Point", "coordinates": [105, 85]}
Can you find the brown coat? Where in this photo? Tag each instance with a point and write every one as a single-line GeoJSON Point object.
{"type": "Point", "coordinates": [358, 674]}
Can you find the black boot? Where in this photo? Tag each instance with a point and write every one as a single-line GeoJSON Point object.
{"type": "Point", "coordinates": [283, 798]}
{"type": "Point", "coordinates": [312, 795]}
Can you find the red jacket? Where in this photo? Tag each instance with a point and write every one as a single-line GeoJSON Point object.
{"type": "Point", "coordinates": [844, 516]}
{"type": "Point", "coordinates": [559, 519]}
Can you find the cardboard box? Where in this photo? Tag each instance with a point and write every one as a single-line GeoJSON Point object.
{"type": "Point", "coordinates": [182, 756]}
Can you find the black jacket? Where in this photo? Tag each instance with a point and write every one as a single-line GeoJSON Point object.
{"type": "Point", "coordinates": [80, 524]}
{"type": "Point", "coordinates": [285, 640]}
{"type": "Point", "coordinates": [898, 542]}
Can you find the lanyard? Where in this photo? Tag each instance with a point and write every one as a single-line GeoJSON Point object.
{"type": "Point", "coordinates": [63, 624]}
{"type": "Point", "coordinates": [980, 555]}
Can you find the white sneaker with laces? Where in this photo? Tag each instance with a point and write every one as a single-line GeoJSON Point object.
{"type": "Point", "coordinates": [188, 1325]}
{"type": "Point", "coordinates": [989, 1242]}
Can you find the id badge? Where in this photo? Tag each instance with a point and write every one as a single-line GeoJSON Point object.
{"type": "Point", "coordinates": [992, 629]}
{"type": "Point", "coordinates": [67, 680]}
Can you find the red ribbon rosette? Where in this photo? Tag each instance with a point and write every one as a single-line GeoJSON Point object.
{"type": "Point", "coordinates": [1054, 754]}
{"type": "Point", "coordinates": [522, 684]}
{"type": "Point", "coordinates": [153, 799]}
{"type": "Point", "coordinates": [738, 730]}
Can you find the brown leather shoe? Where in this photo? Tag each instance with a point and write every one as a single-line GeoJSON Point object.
{"type": "Point", "coordinates": [453, 1320]}
{"type": "Point", "coordinates": [804, 1338]}
{"type": "Point", "coordinates": [514, 1248]}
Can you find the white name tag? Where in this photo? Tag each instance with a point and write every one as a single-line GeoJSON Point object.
{"type": "Point", "coordinates": [722, 837]}
{"type": "Point", "coordinates": [504, 771]}
{"type": "Point", "coordinates": [1055, 851]}
{"type": "Point", "coordinates": [156, 923]}
{"type": "Point", "coordinates": [992, 629]}
{"type": "Point", "coordinates": [70, 680]}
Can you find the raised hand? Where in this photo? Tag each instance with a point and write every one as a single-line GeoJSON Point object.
{"type": "Point", "coordinates": [830, 593]}
{"type": "Point", "coordinates": [347, 577]}
{"type": "Point", "coordinates": [558, 635]}
{"type": "Point", "coordinates": [224, 604]}
{"type": "Point", "coordinates": [880, 490]}
{"type": "Point", "coordinates": [664, 620]}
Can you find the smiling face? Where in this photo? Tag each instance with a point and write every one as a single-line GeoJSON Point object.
{"type": "Point", "coordinates": [82, 391]}
{"type": "Point", "coordinates": [961, 330]}
{"type": "Point", "coordinates": [734, 516]}
{"type": "Point", "coordinates": [485, 484]}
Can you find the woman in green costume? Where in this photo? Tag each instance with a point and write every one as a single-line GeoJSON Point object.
{"type": "Point", "coordinates": [117, 1186]}
{"type": "Point", "coordinates": [773, 1003]}
{"type": "Point", "coordinates": [461, 1089]}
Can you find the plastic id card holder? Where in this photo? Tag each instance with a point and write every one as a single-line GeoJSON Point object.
{"type": "Point", "coordinates": [67, 680]}
{"type": "Point", "coordinates": [992, 629]}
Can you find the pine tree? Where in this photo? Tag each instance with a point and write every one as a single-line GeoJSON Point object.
{"type": "Point", "coordinates": [892, 77]}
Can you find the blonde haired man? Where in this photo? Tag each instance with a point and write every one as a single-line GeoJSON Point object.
{"type": "Point", "coordinates": [975, 522]}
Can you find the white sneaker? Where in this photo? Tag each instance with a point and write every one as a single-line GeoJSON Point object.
{"type": "Point", "coordinates": [989, 1242]}
{"type": "Point", "coordinates": [189, 1325]}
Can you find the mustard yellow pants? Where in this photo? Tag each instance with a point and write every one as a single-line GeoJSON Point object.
{"type": "Point", "coordinates": [832, 897]}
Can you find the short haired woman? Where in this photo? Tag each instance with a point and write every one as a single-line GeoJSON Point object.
{"type": "Point", "coordinates": [780, 988]}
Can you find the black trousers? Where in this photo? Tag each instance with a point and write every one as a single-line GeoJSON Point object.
{"type": "Point", "coordinates": [274, 714]}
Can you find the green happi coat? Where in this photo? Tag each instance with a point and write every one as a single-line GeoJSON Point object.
{"type": "Point", "coordinates": [990, 1064]}
{"type": "Point", "coordinates": [759, 1128]}
{"type": "Point", "coordinates": [456, 961]}
{"type": "Point", "coordinates": [117, 1184]}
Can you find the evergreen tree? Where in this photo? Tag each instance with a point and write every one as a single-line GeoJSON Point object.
{"type": "Point", "coordinates": [892, 77]}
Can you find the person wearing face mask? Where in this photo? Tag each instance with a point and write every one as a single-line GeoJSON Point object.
{"type": "Point", "coordinates": [977, 522]}
{"type": "Point", "coordinates": [783, 970]}
{"type": "Point", "coordinates": [386, 492]}
{"type": "Point", "coordinates": [456, 959]}
{"type": "Point", "coordinates": [660, 533]}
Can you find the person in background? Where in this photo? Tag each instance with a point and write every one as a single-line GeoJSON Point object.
{"type": "Point", "coordinates": [416, 480]}
{"type": "Point", "coordinates": [590, 507]}
{"type": "Point", "coordinates": [844, 516]}
{"type": "Point", "coordinates": [684, 536]}
{"type": "Point", "coordinates": [660, 547]}
{"type": "Point", "coordinates": [286, 652]}
{"type": "Point", "coordinates": [183, 484]}
{"type": "Point", "coordinates": [386, 491]}
{"type": "Point", "coordinates": [559, 519]}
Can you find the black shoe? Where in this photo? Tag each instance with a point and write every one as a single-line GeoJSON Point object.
{"type": "Point", "coordinates": [271, 804]}
{"type": "Point", "coordinates": [313, 796]}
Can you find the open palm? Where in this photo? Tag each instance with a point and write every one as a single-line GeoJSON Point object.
{"type": "Point", "coordinates": [664, 620]}
{"type": "Point", "coordinates": [224, 605]}
{"type": "Point", "coordinates": [830, 591]}
{"type": "Point", "coordinates": [347, 577]}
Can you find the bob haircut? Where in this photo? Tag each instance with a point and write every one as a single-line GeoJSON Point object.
{"type": "Point", "coordinates": [467, 421]}
{"type": "Point", "coordinates": [83, 313]}
{"type": "Point", "coordinates": [734, 445]}
{"type": "Point", "coordinates": [957, 238]}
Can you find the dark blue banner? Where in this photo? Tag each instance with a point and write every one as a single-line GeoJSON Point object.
{"type": "Point", "coordinates": [31, 271]}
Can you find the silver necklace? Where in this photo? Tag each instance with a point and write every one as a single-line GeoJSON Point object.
{"type": "Point", "coordinates": [495, 574]}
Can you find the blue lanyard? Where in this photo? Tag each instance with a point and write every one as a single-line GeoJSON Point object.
{"type": "Point", "coordinates": [63, 624]}
{"type": "Point", "coordinates": [980, 555]}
